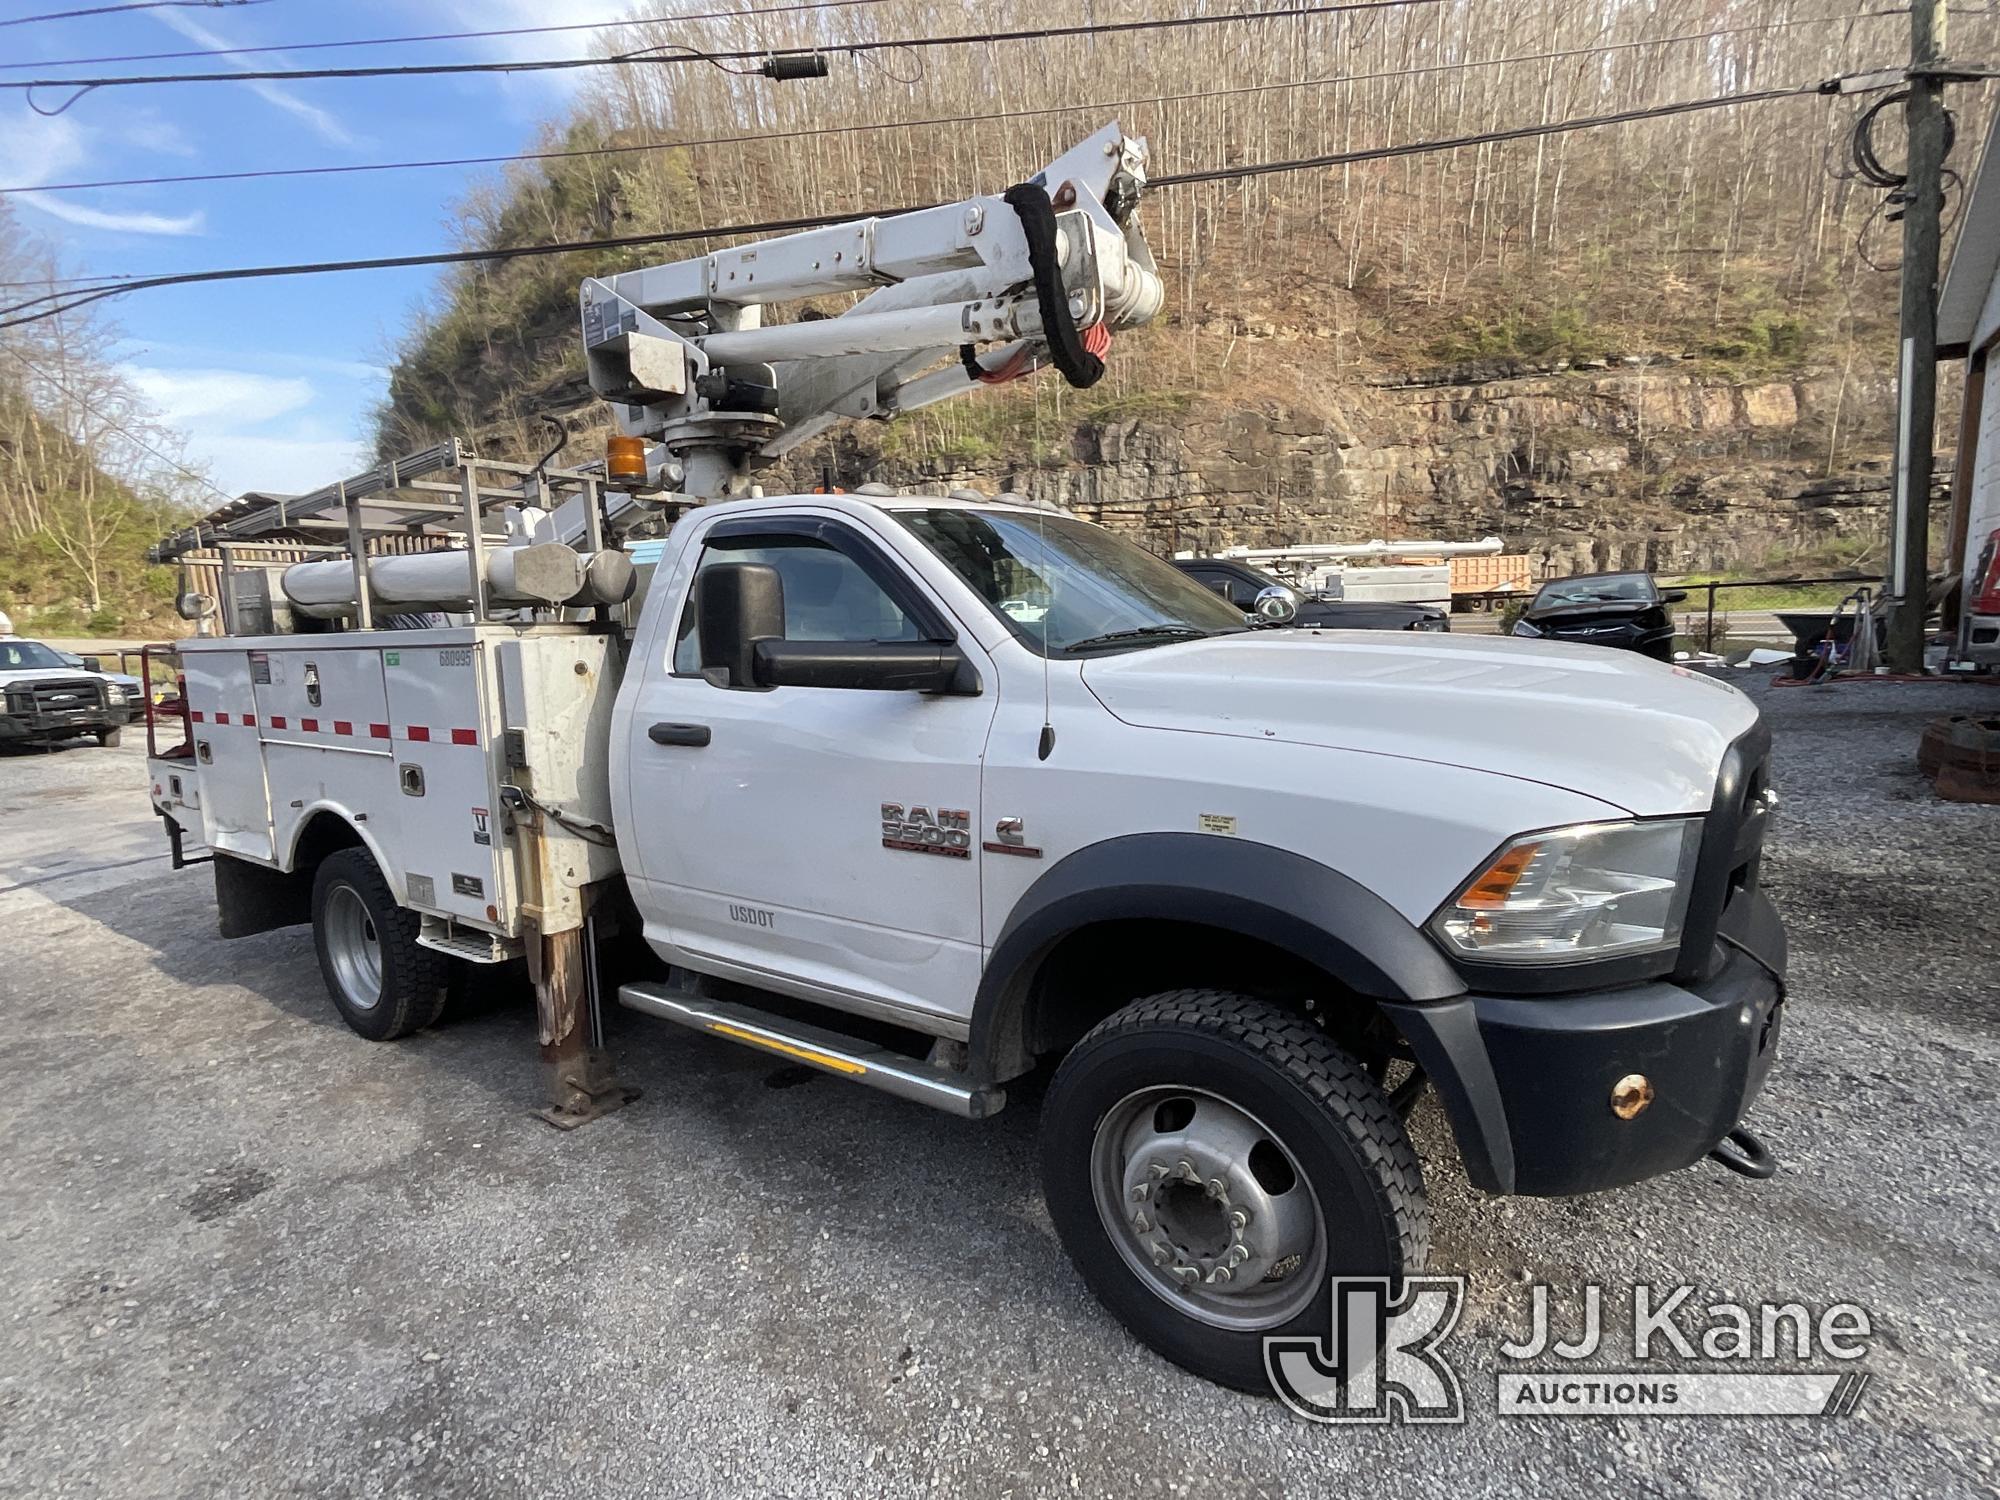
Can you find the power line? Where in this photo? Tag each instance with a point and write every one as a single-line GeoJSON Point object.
{"type": "Point", "coordinates": [1517, 133]}
{"type": "Point", "coordinates": [445, 36]}
{"type": "Point", "coordinates": [105, 10]}
{"type": "Point", "coordinates": [685, 54]}
{"type": "Point", "coordinates": [757, 137]}
{"type": "Point", "coordinates": [20, 313]}
{"type": "Point", "coordinates": [118, 427]}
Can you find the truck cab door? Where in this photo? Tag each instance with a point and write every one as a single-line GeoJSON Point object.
{"type": "Point", "coordinates": [817, 841]}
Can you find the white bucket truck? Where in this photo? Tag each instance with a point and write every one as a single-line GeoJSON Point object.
{"type": "Point", "coordinates": [1248, 895]}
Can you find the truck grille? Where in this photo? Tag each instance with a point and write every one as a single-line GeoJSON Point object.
{"type": "Point", "coordinates": [56, 697]}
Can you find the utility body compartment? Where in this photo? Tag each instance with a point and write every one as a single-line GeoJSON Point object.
{"type": "Point", "coordinates": [406, 740]}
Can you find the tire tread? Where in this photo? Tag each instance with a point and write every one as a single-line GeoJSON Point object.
{"type": "Point", "coordinates": [415, 979]}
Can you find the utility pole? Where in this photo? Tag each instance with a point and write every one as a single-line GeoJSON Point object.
{"type": "Point", "coordinates": [1922, 199]}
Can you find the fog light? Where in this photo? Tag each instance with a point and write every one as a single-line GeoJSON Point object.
{"type": "Point", "coordinates": [1630, 1095]}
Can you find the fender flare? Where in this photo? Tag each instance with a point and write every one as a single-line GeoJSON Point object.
{"type": "Point", "coordinates": [362, 833]}
{"type": "Point", "coordinates": [1274, 895]}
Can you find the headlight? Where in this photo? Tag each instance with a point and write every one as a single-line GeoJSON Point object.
{"type": "Point", "coordinates": [113, 693]}
{"type": "Point", "coordinates": [1598, 890]}
{"type": "Point", "coordinates": [1522, 627]}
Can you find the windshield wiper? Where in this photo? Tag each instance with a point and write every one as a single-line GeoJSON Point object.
{"type": "Point", "coordinates": [1141, 633]}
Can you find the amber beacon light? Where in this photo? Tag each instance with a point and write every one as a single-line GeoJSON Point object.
{"type": "Point", "coordinates": [625, 459]}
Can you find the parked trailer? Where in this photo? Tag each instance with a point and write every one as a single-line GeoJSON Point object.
{"type": "Point", "coordinates": [1250, 893]}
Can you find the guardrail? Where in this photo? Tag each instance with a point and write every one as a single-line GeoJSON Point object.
{"type": "Point", "coordinates": [1759, 594]}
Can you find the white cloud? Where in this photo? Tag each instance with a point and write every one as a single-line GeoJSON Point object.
{"type": "Point", "coordinates": [327, 126]}
{"type": "Point", "coordinates": [99, 218]}
{"type": "Point", "coordinates": [252, 430]}
{"type": "Point", "coordinates": [243, 397]}
{"type": "Point", "coordinates": [36, 149]}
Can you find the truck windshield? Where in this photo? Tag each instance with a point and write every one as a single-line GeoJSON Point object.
{"type": "Point", "coordinates": [19, 656]}
{"type": "Point", "coordinates": [1067, 587]}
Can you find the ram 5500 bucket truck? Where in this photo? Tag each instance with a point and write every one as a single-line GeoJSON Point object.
{"type": "Point", "coordinates": [927, 792]}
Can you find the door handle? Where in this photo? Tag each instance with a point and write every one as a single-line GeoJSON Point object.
{"type": "Point", "coordinates": [679, 734]}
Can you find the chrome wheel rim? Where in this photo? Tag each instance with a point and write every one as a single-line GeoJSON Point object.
{"type": "Point", "coordinates": [355, 948]}
{"type": "Point", "coordinates": [1208, 1207]}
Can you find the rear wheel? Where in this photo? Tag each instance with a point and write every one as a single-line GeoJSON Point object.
{"type": "Point", "coordinates": [1211, 1162]}
{"type": "Point", "coordinates": [384, 984]}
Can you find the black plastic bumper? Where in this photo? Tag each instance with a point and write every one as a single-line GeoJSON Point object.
{"type": "Point", "coordinates": [1527, 1083]}
{"type": "Point", "coordinates": [50, 726]}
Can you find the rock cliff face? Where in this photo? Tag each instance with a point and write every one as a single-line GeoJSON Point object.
{"type": "Point", "coordinates": [1635, 464]}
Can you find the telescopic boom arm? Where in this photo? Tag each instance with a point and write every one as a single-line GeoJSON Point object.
{"type": "Point", "coordinates": [1046, 270]}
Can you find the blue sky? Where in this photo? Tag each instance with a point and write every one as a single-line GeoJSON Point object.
{"type": "Point", "coordinates": [271, 381]}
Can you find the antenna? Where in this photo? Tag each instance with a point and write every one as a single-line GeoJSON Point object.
{"type": "Point", "coordinates": [1048, 741]}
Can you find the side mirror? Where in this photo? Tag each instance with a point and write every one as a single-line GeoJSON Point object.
{"type": "Point", "coordinates": [93, 664]}
{"type": "Point", "coordinates": [1276, 605]}
{"type": "Point", "coordinates": [1674, 596]}
{"type": "Point", "coordinates": [737, 606]}
{"type": "Point", "coordinates": [874, 666]}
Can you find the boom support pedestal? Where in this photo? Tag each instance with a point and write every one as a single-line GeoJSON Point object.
{"type": "Point", "coordinates": [582, 1082]}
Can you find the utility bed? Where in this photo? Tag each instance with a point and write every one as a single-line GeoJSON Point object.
{"type": "Point", "coordinates": [406, 736]}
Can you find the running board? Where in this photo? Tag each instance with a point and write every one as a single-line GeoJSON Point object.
{"type": "Point", "coordinates": [846, 1057]}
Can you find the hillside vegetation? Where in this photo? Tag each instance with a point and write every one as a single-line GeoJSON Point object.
{"type": "Point", "coordinates": [88, 478]}
{"type": "Point", "coordinates": [1732, 236]}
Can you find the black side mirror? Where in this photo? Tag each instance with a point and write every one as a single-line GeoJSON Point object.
{"type": "Point", "coordinates": [1674, 596]}
{"type": "Point", "coordinates": [876, 666]}
{"type": "Point", "coordinates": [738, 605]}
{"type": "Point", "coordinates": [93, 664]}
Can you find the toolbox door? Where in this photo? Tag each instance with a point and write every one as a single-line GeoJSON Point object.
{"type": "Point", "coordinates": [229, 757]}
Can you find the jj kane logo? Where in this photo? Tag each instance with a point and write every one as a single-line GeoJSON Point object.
{"type": "Point", "coordinates": [1384, 1358]}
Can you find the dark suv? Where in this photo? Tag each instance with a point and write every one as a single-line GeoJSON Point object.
{"type": "Point", "coordinates": [1240, 584]}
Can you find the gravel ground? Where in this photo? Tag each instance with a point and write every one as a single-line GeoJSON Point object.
{"type": "Point", "coordinates": [244, 1252]}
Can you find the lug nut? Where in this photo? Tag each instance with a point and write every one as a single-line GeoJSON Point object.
{"type": "Point", "coordinates": [1140, 1193]}
{"type": "Point", "coordinates": [1161, 1255]}
{"type": "Point", "coordinates": [1186, 1275]}
{"type": "Point", "coordinates": [1141, 1223]}
{"type": "Point", "coordinates": [1239, 1220]}
{"type": "Point", "coordinates": [1220, 1274]}
{"type": "Point", "coordinates": [1217, 1191]}
{"type": "Point", "coordinates": [1157, 1171]}
{"type": "Point", "coordinates": [1186, 1171]}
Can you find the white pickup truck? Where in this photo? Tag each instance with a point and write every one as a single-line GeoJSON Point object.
{"type": "Point", "coordinates": [1247, 892]}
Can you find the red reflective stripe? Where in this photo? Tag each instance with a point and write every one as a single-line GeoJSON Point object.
{"type": "Point", "coordinates": [222, 718]}
{"type": "Point", "coordinates": [343, 726]}
{"type": "Point", "coordinates": [420, 733]}
{"type": "Point", "coordinates": [195, 715]}
{"type": "Point", "coordinates": [277, 721]}
{"type": "Point", "coordinates": [249, 721]}
{"type": "Point", "coordinates": [309, 726]}
{"type": "Point", "coordinates": [465, 736]}
{"type": "Point", "coordinates": [378, 731]}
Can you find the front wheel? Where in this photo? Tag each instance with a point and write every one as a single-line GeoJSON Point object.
{"type": "Point", "coordinates": [384, 983]}
{"type": "Point", "coordinates": [1211, 1163]}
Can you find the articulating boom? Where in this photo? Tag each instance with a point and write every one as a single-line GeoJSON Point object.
{"type": "Point", "coordinates": [1046, 270]}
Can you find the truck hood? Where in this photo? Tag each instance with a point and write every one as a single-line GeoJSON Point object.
{"type": "Point", "coordinates": [1645, 737]}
